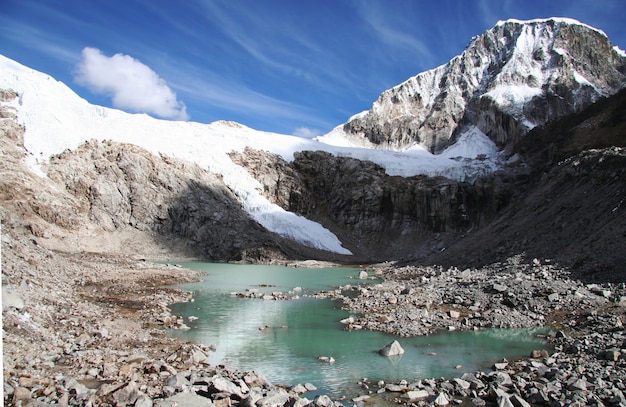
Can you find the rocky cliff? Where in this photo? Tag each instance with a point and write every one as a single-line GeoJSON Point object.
{"type": "Point", "coordinates": [377, 216]}
{"type": "Point", "coordinates": [562, 198]}
{"type": "Point", "coordinates": [508, 80]}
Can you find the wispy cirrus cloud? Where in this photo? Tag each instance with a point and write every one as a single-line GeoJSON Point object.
{"type": "Point", "coordinates": [394, 31]}
{"type": "Point", "coordinates": [130, 84]}
{"type": "Point", "coordinates": [31, 37]}
{"type": "Point", "coordinates": [230, 94]}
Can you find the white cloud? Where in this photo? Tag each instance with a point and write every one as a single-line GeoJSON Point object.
{"type": "Point", "coordinates": [130, 84]}
{"type": "Point", "coordinates": [306, 132]}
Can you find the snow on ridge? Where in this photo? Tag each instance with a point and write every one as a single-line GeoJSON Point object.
{"type": "Point", "coordinates": [619, 51]}
{"type": "Point", "coordinates": [57, 119]}
{"type": "Point", "coordinates": [560, 20]}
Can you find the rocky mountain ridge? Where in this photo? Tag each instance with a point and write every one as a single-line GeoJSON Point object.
{"type": "Point", "coordinates": [117, 186]}
{"type": "Point", "coordinates": [513, 77]}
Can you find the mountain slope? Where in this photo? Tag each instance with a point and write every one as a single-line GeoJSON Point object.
{"type": "Point", "coordinates": [571, 208]}
{"type": "Point", "coordinates": [340, 199]}
{"type": "Point", "coordinates": [511, 78]}
{"type": "Point", "coordinates": [57, 119]}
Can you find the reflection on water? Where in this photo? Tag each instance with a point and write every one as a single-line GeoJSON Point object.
{"type": "Point", "coordinates": [284, 339]}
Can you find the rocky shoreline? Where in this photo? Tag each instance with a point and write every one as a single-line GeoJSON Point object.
{"type": "Point", "coordinates": [587, 362]}
{"type": "Point", "coordinates": [91, 329]}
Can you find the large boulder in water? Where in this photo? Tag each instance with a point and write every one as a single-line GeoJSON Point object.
{"type": "Point", "coordinates": [393, 349]}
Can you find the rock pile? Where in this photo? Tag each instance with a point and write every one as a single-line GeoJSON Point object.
{"type": "Point", "coordinates": [513, 294]}
{"type": "Point", "coordinates": [586, 367]}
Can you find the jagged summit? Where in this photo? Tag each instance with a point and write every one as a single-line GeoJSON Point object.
{"type": "Point", "coordinates": [511, 78]}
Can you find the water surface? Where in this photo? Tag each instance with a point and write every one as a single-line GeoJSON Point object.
{"type": "Point", "coordinates": [284, 339]}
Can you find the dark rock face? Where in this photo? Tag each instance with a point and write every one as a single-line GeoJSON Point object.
{"type": "Point", "coordinates": [509, 79]}
{"type": "Point", "coordinates": [375, 215]}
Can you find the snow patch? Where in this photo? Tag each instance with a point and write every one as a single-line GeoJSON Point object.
{"type": "Point", "coordinates": [472, 143]}
{"type": "Point", "coordinates": [511, 98]}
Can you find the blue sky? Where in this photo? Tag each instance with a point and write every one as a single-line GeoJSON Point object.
{"type": "Point", "coordinates": [289, 66]}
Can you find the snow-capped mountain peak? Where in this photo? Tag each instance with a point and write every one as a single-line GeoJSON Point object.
{"type": "Point", "coordinates": [517, 75]}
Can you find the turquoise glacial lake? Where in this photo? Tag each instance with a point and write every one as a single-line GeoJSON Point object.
{"type": "Point", "coordinates": [284, 339]}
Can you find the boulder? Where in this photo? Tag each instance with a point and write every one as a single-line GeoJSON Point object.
{"type": "Point", "coordinates": [298, 389]}
{"type": "Point", "coordinates": [223, 385]}
{"type": "Point", "coordinates": [323, 401]}
{"type": "Point", "coordinates": [499, 287]}
{"type": "Point", "coordinates": [178, 381]}
{"type": "Point", "coordinates": [416, 394]}
{"type": "Point", "coordinates": [11, 298]}
{"type": "Point", "coordinates": [274, 398]}
{"type": "Point", "coordinates": [143, 401]}
{"type": "Point", "coordinates": [392, 349]}
{"type": "Point", "coordinates": [441, 400]}
{"type": "Point", "coordinates": [184, 400]}
{"type": "Point", "coordinates": [127, 395]}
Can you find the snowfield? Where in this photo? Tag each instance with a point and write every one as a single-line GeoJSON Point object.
{"type": "Point", "coordinates": [57, 119]}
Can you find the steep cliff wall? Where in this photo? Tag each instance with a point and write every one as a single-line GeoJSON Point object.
{"type": "Point", "coordinates": [376, 216]}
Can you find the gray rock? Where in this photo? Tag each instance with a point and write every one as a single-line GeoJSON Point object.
{"type": "Point", "coordinates": [197, 357]}
{"type": "Point", "coordinates": [499, 287]}
{"type": "Point", "coordinates": [184, 400]}
{"type": "Point", "coordinates": [441, 400]}
{"type": "Point", "coordinates": [416, 394]}
{"type": "Point", "coordinates": [276, 397]}
{"type": "Point", "coordinates": [178, 381]}
{"type": "Point", "coordinates": [223, 385]}
{"type": "Point", "coordinates": [143, 401]}
{"type": "Point", "coordinates": [463, 384]}
{"type": "Point", "coordinates": [554, 297]}
{"type": "Point", "coordinates": [396, 388]}
{"type": "Point", "coordinates": [392, 349]}
{"type": "Point", "coordinates": [298, 389]}
{"type": "Point", "coordinates": [577, 385]}
{"type": "Point", "coordinates": [73, 386]}
{"type": "Point", "coordinates": [127, 395]}
{"type": "Point", "coordinates": [323, 401]}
